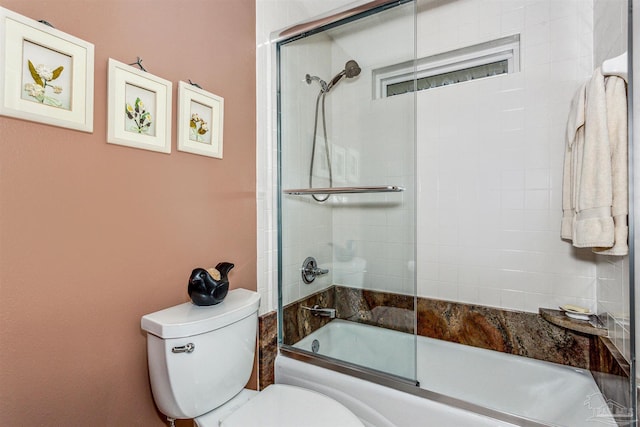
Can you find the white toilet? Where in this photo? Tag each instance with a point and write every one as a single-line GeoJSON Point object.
{"type": "Point", "coordinates": [200, 359]}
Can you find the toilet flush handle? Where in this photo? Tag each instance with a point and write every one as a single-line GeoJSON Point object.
{"type": "Point", "coordinates": [184, 348]}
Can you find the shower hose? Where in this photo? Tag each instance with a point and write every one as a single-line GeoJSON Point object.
{"type": "Point", "coordinates": [321, 96]}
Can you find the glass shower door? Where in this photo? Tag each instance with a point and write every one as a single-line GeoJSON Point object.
{"type": "Point", "coordinates": [347, 193]}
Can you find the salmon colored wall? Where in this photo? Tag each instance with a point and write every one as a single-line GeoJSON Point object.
{"type": "Point", "coordinates": [95, 235]}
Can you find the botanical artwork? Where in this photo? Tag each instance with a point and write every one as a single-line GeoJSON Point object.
{"type": "Point", "coordinates": [138, 109]}
{"type": "Point", "coordinates": [46, 77]}
{"type": "Point", "coordinates": [199, 123]}
{"type": "Point", "coordinates": [141, 118]}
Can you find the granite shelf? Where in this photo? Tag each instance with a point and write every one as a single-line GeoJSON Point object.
{"type": "Point", "coordinates": [558, 318]}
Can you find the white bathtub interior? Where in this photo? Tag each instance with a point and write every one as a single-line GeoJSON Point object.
{"type": "Point", "coordinates": [528, 388]}
{"type": "Point", "coordinates": [377, 349]}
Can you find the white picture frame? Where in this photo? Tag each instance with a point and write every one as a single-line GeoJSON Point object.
{"type": "Point", "coordinates": [46, 75]}
{"type": "Point", "coordinates": [200, 121]}
{"type": "Point", "coordinates": [139, 108]}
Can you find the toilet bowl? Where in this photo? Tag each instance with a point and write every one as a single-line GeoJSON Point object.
{"type": "Point", "coordinates": [200, 359]}
{"type": "Point", "coordinates": [281, 405]}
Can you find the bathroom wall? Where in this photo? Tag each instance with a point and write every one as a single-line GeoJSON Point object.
{"type": "Point", "coordinates": [95, 235]}
{"type": "Point", "coordinates": [490, 155]}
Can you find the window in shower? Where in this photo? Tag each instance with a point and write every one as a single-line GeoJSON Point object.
{"type": "Point", "coordinates": [479, 61]}
{"type": "Point", "coordinates": [453, 77]}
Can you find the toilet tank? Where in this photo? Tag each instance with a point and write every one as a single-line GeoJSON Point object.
{"type": "Point", "coordinates": [187, 384]}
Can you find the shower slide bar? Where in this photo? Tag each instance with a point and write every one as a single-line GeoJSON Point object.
{"type": "Point", "coordinates": [345, 190]}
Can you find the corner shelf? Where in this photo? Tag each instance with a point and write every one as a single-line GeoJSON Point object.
{"type": "Point", "coordinates": [558, 318]}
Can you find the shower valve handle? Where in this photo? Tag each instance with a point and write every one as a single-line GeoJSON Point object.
{"type": "Point", "coordinates": [317, 271]}
{"type": "Point", "coordinates": [310, 270]}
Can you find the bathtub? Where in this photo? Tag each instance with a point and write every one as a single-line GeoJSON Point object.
{"type": "Point", "coordinates": [459, 385]}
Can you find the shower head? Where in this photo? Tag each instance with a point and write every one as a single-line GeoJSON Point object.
{"type": "Point", "coordinates": [351, 69]}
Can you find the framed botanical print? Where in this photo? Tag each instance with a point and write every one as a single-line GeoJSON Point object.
{"type": "Point", "coordinates": [139, 108]}
{"type": "Point", "coordinates": [200, 121]}
{"type": "Point", "coordinates": [46, 75]}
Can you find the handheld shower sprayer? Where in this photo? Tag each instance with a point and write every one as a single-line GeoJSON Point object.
{"type": "Point", "coordinates": [351, 69]}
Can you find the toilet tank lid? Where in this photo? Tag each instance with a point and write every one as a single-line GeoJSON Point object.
{"type": "Point", "coordinates": [188, 319]}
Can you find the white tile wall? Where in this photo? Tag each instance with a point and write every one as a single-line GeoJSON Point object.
{"type": "Point", "coordinates": [489, 156]}
{"type": "Point", "coordinates": [613, 299]}
{"type": "Point", "coordinates": [371, 144]}
{"type": "Point", "coordinates": [490, 160]}
{"type": "Point", "coordinates": [307, 226]}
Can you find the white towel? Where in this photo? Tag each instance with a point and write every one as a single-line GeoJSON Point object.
{"type": "Point", "coordinates": [594, 199]}
{"type": "Point", "coordinates": [572, 162]}
{"type": "Point", "coordinates": [616, 93]}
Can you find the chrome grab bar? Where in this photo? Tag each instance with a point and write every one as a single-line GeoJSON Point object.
{"type": "Point", "coordinates": [345, 190]}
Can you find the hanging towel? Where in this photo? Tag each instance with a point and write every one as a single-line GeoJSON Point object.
{"type": "Point", "coordinates": [616, 93]}
{"type": "Point", "coordinates": [594, 198]}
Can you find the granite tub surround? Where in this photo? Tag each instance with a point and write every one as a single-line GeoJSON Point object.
{"type": "Point", "coordinates": [523, 334]}
{"type": "Point", "coordinates": [611, 371]}
{"type": "Point", "coordinates": [605, 357]}
{"type": "Point", "coordinates": [384, 309]}
{"type": "Point", "coordinates": [267, 348]}
{"type": "Point", "coordinates": [299, 322]}
{"type": "Point", "coordinates": [519, 333]}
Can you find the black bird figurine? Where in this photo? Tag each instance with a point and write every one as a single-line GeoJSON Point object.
{"type": "Point", "coordinates": [206, 289]}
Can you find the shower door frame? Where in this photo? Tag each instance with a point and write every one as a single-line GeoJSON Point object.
{"type": "Point", "coordinates": [631, 96]}
{"type": "Point", "coordinates": [318, 25]}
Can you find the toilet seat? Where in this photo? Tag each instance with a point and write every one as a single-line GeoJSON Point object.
{"type": "Point", "coordinates": [282, 405]}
